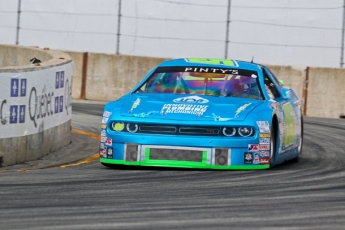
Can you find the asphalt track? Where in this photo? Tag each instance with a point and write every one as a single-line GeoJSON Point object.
{"type": "Point", "coordinates": [309, 194]}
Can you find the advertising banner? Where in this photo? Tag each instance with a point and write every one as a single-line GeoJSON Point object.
{"type": "Point", "coordinates": [31, 102]}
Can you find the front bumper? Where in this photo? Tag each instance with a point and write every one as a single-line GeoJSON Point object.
{"type": "Point", "coordinates": [181, 164]}
{"type": "Point", "coordinates": [184, 152]}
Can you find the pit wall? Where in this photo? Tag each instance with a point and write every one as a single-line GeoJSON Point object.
{"type": "Point", "coordinates": [35, 103]}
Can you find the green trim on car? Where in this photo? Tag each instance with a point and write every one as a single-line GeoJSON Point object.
{"type": "Point", "coordinates": [182, 164]}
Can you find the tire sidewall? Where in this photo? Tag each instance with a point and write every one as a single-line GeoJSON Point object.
{"type": "Point", "coordinates": [272, 146]}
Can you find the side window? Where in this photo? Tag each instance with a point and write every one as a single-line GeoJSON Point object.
{"type": "Point", "coordinates": [270, 85]}
{"type": "Point", "coordinates": [274, 78]}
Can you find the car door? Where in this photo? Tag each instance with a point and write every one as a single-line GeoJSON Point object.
{"type": "Point", "coordinates": [284, 110]}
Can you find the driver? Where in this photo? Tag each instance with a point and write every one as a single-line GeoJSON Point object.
{"type": "Point", "coordinates": [246, 87]}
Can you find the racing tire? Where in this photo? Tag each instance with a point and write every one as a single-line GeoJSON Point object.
{"type": "Point", "coordinates": [272, 146]}
{"type": "Point", "coordinates": [109, 165]}
{"type": "Point", "coordinates": [299, 154]}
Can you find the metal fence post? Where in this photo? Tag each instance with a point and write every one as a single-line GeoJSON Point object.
{"type": "Point", "coordinates": [118, 28]}
{"type": "Point", "coordinates": [18, 21]}
{"type": "Point", "coordinates": [227, 30]}
{"type": "Point", "coordinates": [342, 39]}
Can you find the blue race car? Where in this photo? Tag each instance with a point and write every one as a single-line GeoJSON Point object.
{"type": "Point", "coordinates": [204, 113]}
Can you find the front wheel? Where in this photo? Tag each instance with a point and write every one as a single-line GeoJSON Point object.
{"type": "Point", "coordinates": [272, 146]}
{"type": "Point", "coordinates": [109, 165]}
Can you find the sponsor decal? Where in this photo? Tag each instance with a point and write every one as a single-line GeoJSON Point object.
{"type": "Point", "coordinates": [136, 103]}
{"type": "Point", "coordinates": [103, 126]}
{"type": "Point", "coordinates": [59, 79]}
{"type": "Point", "coordinates": [256, 158]}
{"type": "Point", "coordinates": [33, 99]}
{"type": "Point", "coordinates": [13, 114]}
{"type": "Point", "coordinates": [264, 147]}
{"type": "Point", "coordinates": [102, 153]}
{"type": "Point", "coordinates": [101, 146]}
{"type": "Point", "coordinates": [253, 147]}
{"type": "Point", "coordinates": [264, 161]}
{"type": "Point", "coordinates": [22, 114]}
{"type": "Point", "coordinates": [23, 87]}
{"type": "Point", "coordinates": [263, 126]}
{"type": "Point", "coordinates": [184, 109]}
{"type": "Point", "coordinates": [248, 158]}
{"type": "Point", "coordinates": [144, 114]}
{"type": "Point", "coordinates": [17, 114]}
{"type": "Point", "coordinates": [265, 140]}
{"type": "Point", "coordinates": [110, 152]}
{"type": "Point", "coordinates": [41, 105]}
{"type": "Point", "coordinates": [62, 79]}
{"type": "Point", "coordinates": [265, 135]}
{"type": "Point", "coordinates": [219, 118]}
{"type": "Point", "coordinates": [14, 87]}
{"type": "Point", "coordinates": [243, 107]}
{"type": "Point", "coordinates": [264, 153]}
{"type": "Point", "coordinates": [57, 103]}
{"type": "Point", "coordinates": [103, 133]}
{"type": "Point", "coordinates": [205, 69]}
{"type": "Point", "coordinates": [211, 70]}
{"type": "Point", "coordinates": [191, 99]}
{"type": "Point", "coordinates": [106, 114]}
{"type": "Point", "coordinates": [103, 139]}
{"type": "Point", "coordinates": [105, 120]}
{"type": "Point", "coordinates": [119, 127]}
{"type": "Point", "coordinates": [109, 141]}
{"type": "Point", "coordinates": [61, 104]}
{"type": "Point", "coordinates": [212, 61]}
{"type": "Point", "coordinates": [289, 123]}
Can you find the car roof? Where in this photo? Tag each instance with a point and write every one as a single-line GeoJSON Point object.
{"type": "Point", "coordinates": [211, 62]}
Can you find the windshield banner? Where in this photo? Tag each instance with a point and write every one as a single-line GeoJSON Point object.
{"type": "Point", "coordinates": [201, 69]}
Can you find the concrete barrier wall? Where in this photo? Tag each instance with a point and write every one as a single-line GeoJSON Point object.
{"type": "Point", "coordinates": [105, 77]}
{"type": "Point", "coordinates": [17, 150]}
{"type": "Point", "coordinates": [21, 55]}
{"type": "Point", "coordinates": [293, 77]}
{"type": "Point", "coordinates": [35, 109]}
{"type": "Point", "coordinates": [326, 92]}
{"type": "Point", "coordinates": [111, 76]}
{"type": "Point", "coordinates": [78, 59]}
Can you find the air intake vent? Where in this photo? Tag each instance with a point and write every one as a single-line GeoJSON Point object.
{"type": "Point", "coordinates": [176, 154]}
{"type": "Point", "coordinates": [222, 157]}
{"type": "Point", "coordinates": [131, 152]}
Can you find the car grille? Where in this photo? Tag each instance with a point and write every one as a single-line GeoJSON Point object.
{"type": "Point", "coordinates": [176, 154]}
{"type": "Point", "coordinates": [180, 130]}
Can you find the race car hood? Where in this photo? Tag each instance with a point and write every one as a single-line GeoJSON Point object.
{"type": "Point", "coordinates": [184, 107]}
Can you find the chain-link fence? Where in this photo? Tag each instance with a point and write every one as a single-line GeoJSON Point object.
{"type": "Point", "coordinates": [300, 33]}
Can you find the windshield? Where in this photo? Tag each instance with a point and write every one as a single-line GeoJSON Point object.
{"type": "Point", "coordinates": [212, 83]}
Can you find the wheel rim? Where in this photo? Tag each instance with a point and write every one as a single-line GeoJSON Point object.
{"type": "Point", "coordinates": [271, 149]}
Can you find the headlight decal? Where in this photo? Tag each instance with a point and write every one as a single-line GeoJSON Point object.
{"type": "Point", "coordinates": [117, 126]}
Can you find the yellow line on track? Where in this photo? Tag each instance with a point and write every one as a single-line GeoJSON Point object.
{"type": "Point", "coordinates": [84, 161]}
{"type": "Point", "coordinates": [94, 136]}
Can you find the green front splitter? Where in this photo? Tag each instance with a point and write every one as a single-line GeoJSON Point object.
{"type": "Point", "coordinates": [182, 164]}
